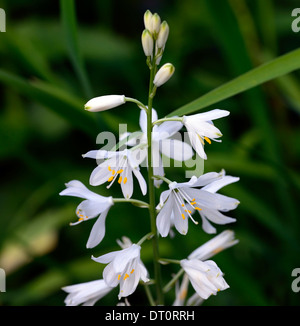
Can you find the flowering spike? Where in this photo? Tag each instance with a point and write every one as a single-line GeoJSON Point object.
{"type": "Point", "coordinates": [106, 102]}
{"type": "Point", "coordinates": [164, 74]}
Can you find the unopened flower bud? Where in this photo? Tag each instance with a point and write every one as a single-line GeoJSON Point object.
{"type": "Point", "coordinates": [102, 103]}
{"type": "Point", "coordinates": [147, 20]}
{"type": "Point", "coordinates": [162, 35]}
{"type": "Point", "coordinates": [155, 25]}
{"type": "Point", "coordinates": [164, 74]}
{"type": "Point", "coordinates": [147, 43]}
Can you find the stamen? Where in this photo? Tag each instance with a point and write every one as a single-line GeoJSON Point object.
{"type": "Point", "coordinates": [207, 139]}
{"type": "Point", "coordinates": [183, 216]}
{"type": "Point", "coordinates": [119, 276]}
{"type": "Point", "coordinates": [120, 180]}
{"type": "Point", "coordinates": [120, 171]}
{"type": "Point", "coordinates": [126, 276]}
{"type": "Point", "coordinates": [132, 271]}
{"type": "Point", "coordinates": [109, 168]}
{"type": "Point", "coordinates": [198, 208]}
{"type": "Point", "coordinates": [110, 178]}
{"type": "Point", "coordinates": [113, 172]}
{"type": "Point", "coordinates": [125, 180]}
{"type": "Point", "coordinates": [80, 219]}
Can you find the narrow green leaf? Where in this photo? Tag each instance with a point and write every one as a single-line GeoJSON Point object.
{"type": "Point", "coordinates": [278, 67]}
{"type": "Point", "coordinates": [68, 16]}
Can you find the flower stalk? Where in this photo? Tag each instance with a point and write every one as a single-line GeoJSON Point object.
{"type": "Point", "coordinates": [152, 210]}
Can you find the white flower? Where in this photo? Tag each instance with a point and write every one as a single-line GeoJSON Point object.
{"type": "Point", "coordinates": [206, 277]}
{"type": "Point", "coordinates": [164, 74]}
{"type": "Point", "coordinates": [219, 243]}
{"type": "Point", "coordinates": [87, 293]}
{"type": "Point", "coordinates": [162, 144]}
{"type": "Point", "coordinates": [179, 203]}
{"type": "Point", "coordinates": [117, 165]}
{"type": "Point", "coordinates": [200, 128]}
{"type": "Point", "coordinates": [91, 207]}
{"type": "Point", "coordinates": [124, 268]}
{"type": "Point", "coordinates": [106, 102]}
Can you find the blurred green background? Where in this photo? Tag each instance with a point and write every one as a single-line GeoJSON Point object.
{"type": "Point", "coordinates": [52, 62]}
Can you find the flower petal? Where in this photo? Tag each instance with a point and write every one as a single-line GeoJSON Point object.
{"type": "Point", "coordinates": [176, 149]}
{"type": "Point", "coordinates": [98, 231]}
{"type": "Point", "coordinates": [163, 219]}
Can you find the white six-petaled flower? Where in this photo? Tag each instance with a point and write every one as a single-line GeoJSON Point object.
{"type": "Point", "coordinates": [117, 166]}
{"type": "Point", "coordinates": [124, 268]}
{"type": "Point", "coordinates": [87, 293]}
{"type": "Point", "coordinates": [93, 206]}
{"type": "Point", "coordinates": [205, 277]}
{"type": "Point", "coordinates": [162, 143]}
{"type": "Point", "coordinates": [182, 199]}
{"type": "Point", "coordinates": [200, 128]}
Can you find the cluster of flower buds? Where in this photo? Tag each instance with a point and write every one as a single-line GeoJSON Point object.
{"type": "Point", "coordinates": [154, 38]}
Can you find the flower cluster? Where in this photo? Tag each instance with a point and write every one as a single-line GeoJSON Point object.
{"type": "Point", "coordinates": [177, 205]}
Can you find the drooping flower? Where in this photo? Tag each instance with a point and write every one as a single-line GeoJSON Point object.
{"type": "Point", "coordinates": [182, 199]}
{"type": "Point", "coordinates": [162, 143]}
{"type": "Point", "coordinates": [87, 293]}
{"type": "Point", "coordinates": [210, 248]}
{"type": "Point", "coordinates": [117, 165]}
{"type": "Point", "coordinates": [200, 128]}
{"type": "Point", "coordinates": [106, 102]}
{"type": "Point", "coordinates": [94, 205]}
{"type": "Point", "coordinates": [205, 277]}
{"type": "Point", "coordinates": [124, 268]}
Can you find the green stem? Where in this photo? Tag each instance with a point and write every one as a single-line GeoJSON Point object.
{"type": "Point", "coordinates": [133, 201]}
{"type": "Point", "coordinates": [173, 280]}
{"type": "Point", "coordinates": [152, 210]}
{"type": "Point", "coordinates": [137, 102]}
{"type": "Point", "coordinates": [159, 121]}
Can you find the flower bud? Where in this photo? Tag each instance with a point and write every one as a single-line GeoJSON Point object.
{"type": "Point", "coordinates": [102, 103]}
{"type": "Point", "coordinates": [155, 25]}
{"type": "Point", "coordinates": [147, 20]}
{"type": "Point", "coordinates": [162, 35]}
{"type": "Point", "coordinates": [147, 43]}
{"type": "Point", "coordinates": [164, 74]}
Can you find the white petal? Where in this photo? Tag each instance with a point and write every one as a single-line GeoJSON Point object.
{"type": "Point", "coordinates": [127, 183]}
{"type": "Point", "coordinates": [98, 231]}
{"type": "Point", "coordinates": [163, 219]}
{"type": "Point", "coordinates": [141, 180]}
{"type": "Point", "coordinates": [176, 149]}
{"type": "Point", "coordinates": [210, 115]}
{"type": "Point", "coordinates": [167, 129]}
{"type": "Point", "coordinates": [218, 184]}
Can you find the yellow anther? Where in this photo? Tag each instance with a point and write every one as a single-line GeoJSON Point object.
{"type": "Point", "coordinates": [183, 216]}
{"type": "Point", "coordinates": [120, 180]}
{"type": "Point", "coordinates": [119, 276]}
{"type": "Point", "coordinates": [207, 139]}
{"type": "Point", "coordinates": [126, 276]}
{"type": "Point", "coordinates": [183, 294]}
{"type": "Point", "coordinates": [125, 180]}
{"type": "Point", "coordinates": [193, 203]}
{"type": "Point", "coordinates": [109, 168]}
{"type": "Point", "coordinates": [110, 178]}
{"type": "Point", "coordinates": [120, 171]}
{"type": "Point", "coordinates": [182, 205]}
{"type": "Point", "coordinates": [113, 172]}
{"type": "Point", "coordinates": [198, 208]}
{"type": "Point", "coordinates": [132, 271]}
{"type": "Point", "coordinates": [81, 219]}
